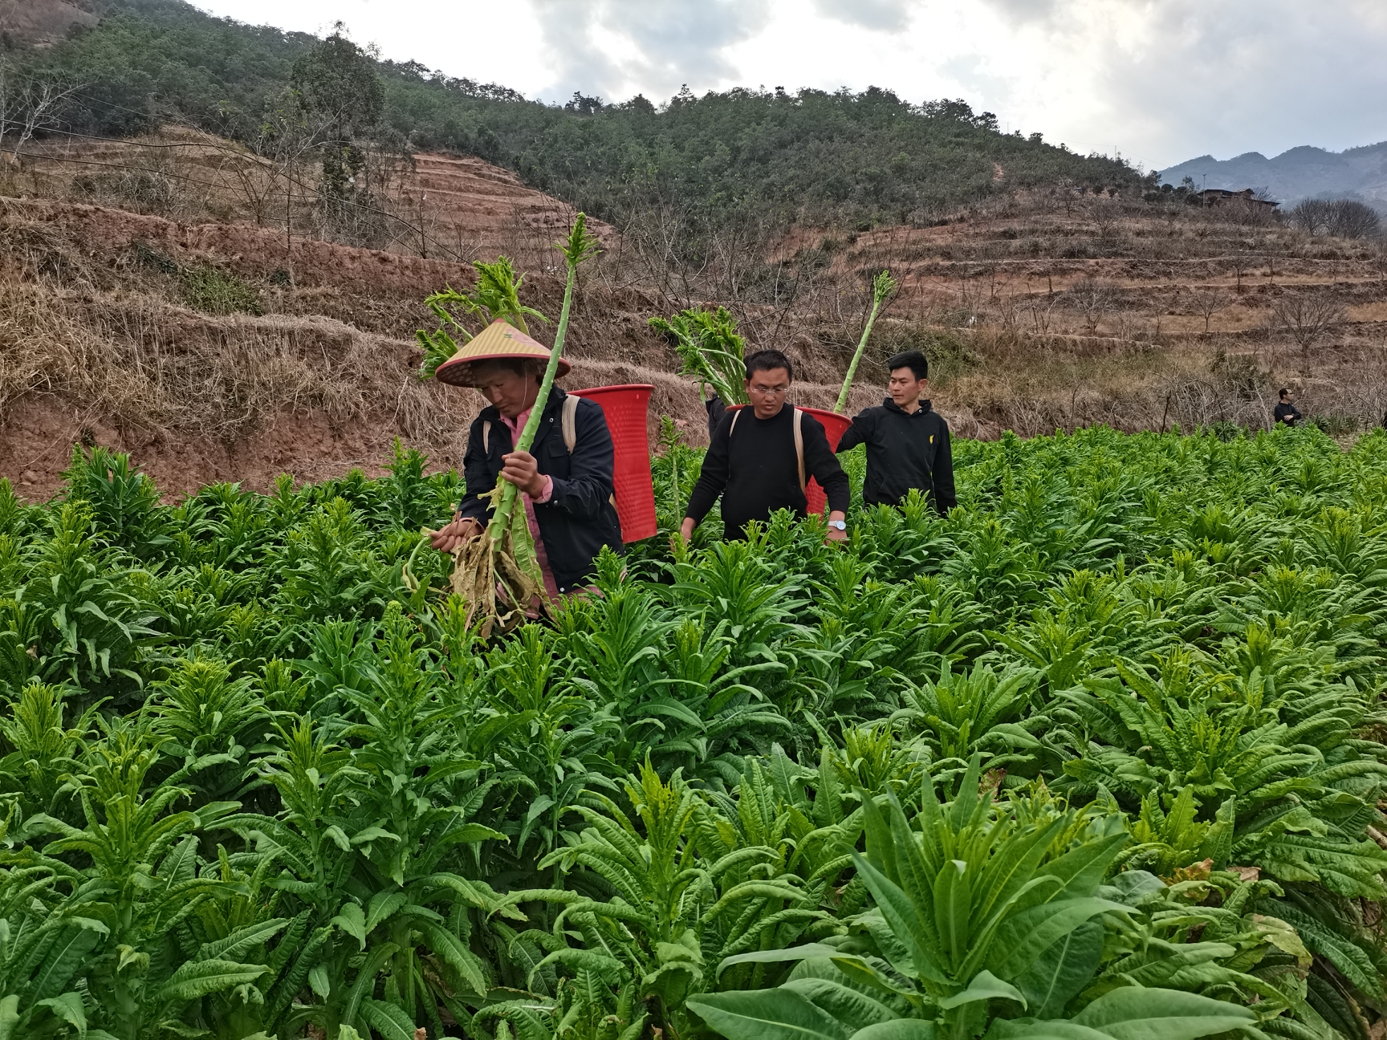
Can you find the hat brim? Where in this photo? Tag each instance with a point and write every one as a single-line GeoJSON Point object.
{"type": "Point", "coordinates": [498, 341]}
{"type": "Point", "coordinates": [460, 371]}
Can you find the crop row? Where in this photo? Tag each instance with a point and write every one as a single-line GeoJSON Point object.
{"type": "Point", "coordinates": [1098, 755]}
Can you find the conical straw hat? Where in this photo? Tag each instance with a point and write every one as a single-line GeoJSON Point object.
{"type": "Point", "coordinates": [497, 340]}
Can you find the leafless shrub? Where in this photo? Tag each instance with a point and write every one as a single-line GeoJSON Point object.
{"type": "Point", "coordinates": [1105, 214]}
{"type": "Point", "coordinates": [1093, 298]}
{"type": "Point", "coordinates": [1207, 303]}
{"type": "Point", "coordinates": [1306, 317]}
{"type": "Point", "coordinates": [29, 105]}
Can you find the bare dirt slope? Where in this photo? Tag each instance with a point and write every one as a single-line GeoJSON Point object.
{"type": "Point", "coordinates": [101, 341]}
{"type": "Point", "coordinates": [218, 342]}
{"type": "Point", "coordinates": [428, 205]}
{"type": "Point", "coordinates": [42, 22]}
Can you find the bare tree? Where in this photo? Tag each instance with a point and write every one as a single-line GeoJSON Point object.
{"type": "Point", "coordinates": [1340, 218]}
{"type": "Point", "coordinates": [1208, 302]}
{"type": "Point", "coordinates": [1307, 318]}
{"type": "Point", "coordinates": [277, 155]}
{"type": "Point", "coordinates": [29, 105]}
{"type": "Point", "coordinates": [1093, 298]}
{"type": "Point", "coordinates": [1105, 215]}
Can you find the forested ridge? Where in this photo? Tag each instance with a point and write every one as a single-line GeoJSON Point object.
{"type": "Point", "coordinates": [855, 159]}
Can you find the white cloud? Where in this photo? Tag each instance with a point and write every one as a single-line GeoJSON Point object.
{"type": "Point", "coordinates": [618, 48]}
{"type": "Point", "coordinates": [1159, 80]}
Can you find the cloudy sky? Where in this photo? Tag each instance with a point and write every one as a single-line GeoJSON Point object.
{"type": "Point", "coordinates": [1159, 81]}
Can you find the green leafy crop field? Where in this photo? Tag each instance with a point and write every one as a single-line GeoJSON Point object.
{"type": "Point", "coordinates": [1096, 757]}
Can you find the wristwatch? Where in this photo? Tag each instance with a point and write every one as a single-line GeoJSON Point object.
{"type": "Point", "coordinates": [842, 525]}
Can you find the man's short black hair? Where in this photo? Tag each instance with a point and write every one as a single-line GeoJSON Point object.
{"type": "Point", "coordinates": [1284, 391]}
{"type": "Point", "coordinates": [912, 359]}
{"type": "Point", "coordinates": [768, 361]}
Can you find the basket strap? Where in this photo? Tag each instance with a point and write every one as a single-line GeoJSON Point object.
{"type": "Point", "coordinates": [568, 420]}
{"type": "Point", "coordinates": [799, 445]}
{"type": "Point", "coordinates": [486, 436]}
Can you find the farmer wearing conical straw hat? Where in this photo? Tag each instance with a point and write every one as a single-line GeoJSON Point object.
{"type": "Point", "coordinates": [565, 480]}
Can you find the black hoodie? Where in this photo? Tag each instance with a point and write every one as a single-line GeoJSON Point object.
{"type": "Point", "coordinates": [904, 451]}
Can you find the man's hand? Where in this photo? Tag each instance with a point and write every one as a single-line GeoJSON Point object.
{"type": "Point", "coordinates": [522, 470]}
{"type": "Point", "coordinates": [681, 537]}
{"type": "Point", "coordinates": [835, 535]}
{"type": "Point", "coordinates": [449, 537]}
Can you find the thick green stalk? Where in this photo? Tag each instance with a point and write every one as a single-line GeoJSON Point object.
{"type": "Point", "coordinates": [579, 247]}
{"type": "Point", "coordinates": [883, 286]}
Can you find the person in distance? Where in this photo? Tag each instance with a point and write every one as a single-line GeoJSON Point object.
{"type": "Point", "coordinates": [566, 479]}
{"type": "Point", "coordinates": [1285, 411]}
{"type": "Point", "coordinates": [761, 457]}
{"type": "Point", "coordinates": [907, 442]}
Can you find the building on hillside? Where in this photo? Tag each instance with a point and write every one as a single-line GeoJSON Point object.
{"type": "Point", "coordinates": [1222, 196]}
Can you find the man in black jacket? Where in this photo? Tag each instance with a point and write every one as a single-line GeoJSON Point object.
{"type": "Point", "coordinates": [762, 456]}
{"type": "Point", "coordinates": [907, 442]}
{"type": "Point", "coordinates": [1285, 411]}
{"type": "Point", "coordinates": [567, 494]}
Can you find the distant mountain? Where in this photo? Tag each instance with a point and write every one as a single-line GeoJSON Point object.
{"type": "Point", "coordinates": [1301, 173]}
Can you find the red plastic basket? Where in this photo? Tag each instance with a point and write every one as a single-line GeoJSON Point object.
{"type": "Point", "coordinates": [625, 408]}
{"type": "Point", "coordinates": [835, 425]}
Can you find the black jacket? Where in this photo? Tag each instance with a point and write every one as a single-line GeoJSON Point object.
{"type": "Point", "coordinates": [904, 451]}
{"type": "Point", "coordinates": [1284, 409]}
{"type": "Point", "coordinates": [756, 470]}
{"type": "Point", "coordinates": [579, 517]}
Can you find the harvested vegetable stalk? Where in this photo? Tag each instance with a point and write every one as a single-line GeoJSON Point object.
{"type": "Point", "coordinates": [496, 295]}
{"type": "Point", "coordinates": [504, 554]}
{"type": "Point", "coordinates": [883, 288]}
{"type": "Point", "coordinates": [712, 352]}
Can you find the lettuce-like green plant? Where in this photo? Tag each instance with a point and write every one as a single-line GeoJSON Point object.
{"type": "Point", "coordinates": [984, 923]}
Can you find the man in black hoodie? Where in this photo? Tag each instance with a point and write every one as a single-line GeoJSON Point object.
{"type": "Point", "coordinates": [907, 443]}
{"type": "Point", "coordinates": [1285, 412]}
{"type": "Point", "coordinates": [761, 457]}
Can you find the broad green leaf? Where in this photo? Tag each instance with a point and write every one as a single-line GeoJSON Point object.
{"type": "Point", "coordinates": [9, 1017]}
{"type": "Point", "coordinates": [69, 1009]}
{"type": "Point", "coordinates": [368, 834]}
{"type": "Point", "coordinates": [1035, 1029]}
{"type": "Point", "coordinates": [609, 968]}
{"type": "Point", "coordinates": [196, 979]}
{"type": "Point", "coordinates": [382, 907]}
{"type": "Point", "coordinates": [386, 1019]}
{"type": "Point", "coordinates": [62, 961]}
{"type": "Point", "coordinates": [1023, 938]}
{"type": "Point", "coordinates": [903, 918]}
{"type": "Point", "coordinates": [794, 953]}
{"type": "Point", "coordinates": [854, 1009]}
{"type": "Point", "coordinates": [352, 920]}
{"type": "Point", "coordinates": [953, 906]}
{"type": "Point", "coordinates": [242, 941]}
{"type": "Point", "coordinates": [1058, 974]}
{"type": "Point", "coordinates": [768, 1014]}
{"type": "Point", "coordinates": [1136, 1013]}
{"type": "Point", "coordinates": [1132, 887]}
{"type": "Point", "coordinates": [899, 1029]}
{"type": "Point", "coordinates": [984, 986]}
{"type": "Point", "coordinates": [318, 981]}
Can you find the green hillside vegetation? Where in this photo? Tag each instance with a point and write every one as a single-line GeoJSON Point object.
{"type": "Point", "coordinates": [851, 159]}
